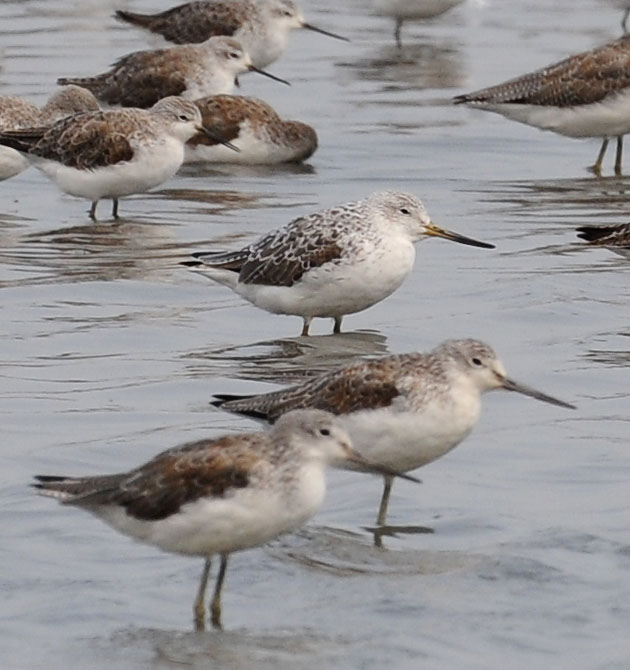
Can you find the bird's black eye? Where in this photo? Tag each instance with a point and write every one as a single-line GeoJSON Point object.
{"type": "Point", "coordinates": [183, 117]}
{"type": "Point", "coordinates": [404, 210]}
{"type": "Point", "coordinates": [476, 361]}
{"type": "Point", "coordinates": [324, 431]}
{"type": "Point", "coordinates": [233, 54]}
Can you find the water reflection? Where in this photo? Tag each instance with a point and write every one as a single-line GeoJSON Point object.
{"type": "Point", "coordinates": [229, 650]}
{"type": "Point", "coordinates": [424, 65]}
{"type": "Point", "coordinates": [285, 361]}
{"type": "Point", "coordinates": [93, 252]}
{"type": "Point", "coordinates": [563, 198]}
{"type": "Point", "coordinates": [238, 171]}
{"type": "Point", "coordinates": [346, 553]}
{"type": "Point", "coordinates": [618, 356]}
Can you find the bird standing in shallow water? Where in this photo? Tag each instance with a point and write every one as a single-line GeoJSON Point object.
{"type": "Point", "coordinates": [222, 495]}
{"type": "Point", "coordinates": [334, 262]}
{"type": "Point", "coordinates": [585, 95]}
{"type": "Point", "coordinates": [18, 114]}
{"type": "Point", "coordinates": [113, 153]}
{"type": "Point", "coordinates": [191, 71]}
{"type": "Point", "coordinates": [262, 26]}
{"type": "Point", "coordinates": [402, 411]}
{"type": "Point", "coordinates": [402, 10]}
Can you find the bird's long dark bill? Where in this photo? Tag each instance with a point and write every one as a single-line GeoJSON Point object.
{"type": "Point", "coordinates": [267, 74]}
{"type": "Point", "coordinates": [511, 385]}
{"type": "Point", "coordinates": [358, 463]}
{"type": "Point", "coordinates": [315, 29]}
{"type": "Point", "coordinates": [436, 231]}
{"type": "Point", "coordinates": [216, 136]}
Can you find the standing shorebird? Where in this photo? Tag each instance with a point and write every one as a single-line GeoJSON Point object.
{"type": "Point", "coordinates": [191, 71]}
{"type": "Point", "coordinates": [585, 95]}
{"type": "Point", "coordinates": [334, 262]}
{"type": "Point", "coordinates": [262, 26]}
{"type": "Point", "coordinates": [401, 10]}
{"type": "Point", "coordinates": [111, 154]}
{"type": "Point", "coordinates": [222, 495]}
{"type": "Point", "coordinates": [251, 125]}
{"type": "Point", "coordinates": [17, 114]}
{"type": "Point", "coordinates": [402, 411]}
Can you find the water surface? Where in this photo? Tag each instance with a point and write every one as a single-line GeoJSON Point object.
{"type": "Point", "coordinates": [111, 352]}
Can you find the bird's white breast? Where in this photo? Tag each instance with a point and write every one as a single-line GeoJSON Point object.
{"type": "Point", "coordinates": [608, 118]}
{"type": "Point", "coordinates": [355, 283]}
{"type": "Point", "coordinates": [405, 438]}
{"type": "Point", "coordinates": [247, 517]}
{"type": "Point", "coordinates": [11, 163]}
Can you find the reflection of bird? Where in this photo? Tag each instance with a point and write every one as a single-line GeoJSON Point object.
{"type": "Point", "coordinates": [110, 154]}
{"type": "Point", "coordinates": [17, 113]}
{"type": "Point", "coordinates": [141, 78]}
{"type": "Point", "coordinates": [606, 236]}
{"type": "Point", "coordinates": [585, 95]}
{"type": "Point", "coordinates": [403, 411]}
{"type": "Point", "coordinates": [400, 10]}
{"type": "Point", "coordinates": [252, 126]}
{"type": "Point", "coordinates": [221, 495]}
{"type": "Point", "coordinates": [262, 26]}
{"type": "Point", "coordinates": [334, 262]}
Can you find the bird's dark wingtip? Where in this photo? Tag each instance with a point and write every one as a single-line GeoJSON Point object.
{"type": "Point", "coordinates": [591, 233]}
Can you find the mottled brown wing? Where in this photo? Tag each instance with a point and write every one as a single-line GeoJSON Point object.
{"type": "Point", "coordinates": [586, 78]}
{"type": "Point", "coordinates": [141, 79]}
{"type": "Point", "coordinates": [209, 468]}
{"type": "Point", "coordinates": [284, 256]}
{"type": "Point", "coordinates": [16, 113]}
{"type": "Point", "coordinates": [618, 235]}
{"type": "Point", "coordinates": [578, 80]}
{"type": "Point", "coordinates": [84, 142]}
{"type": "Point", "coordinates": [364, 385]}
{"type": "Point", "coordinates": [195, 22]}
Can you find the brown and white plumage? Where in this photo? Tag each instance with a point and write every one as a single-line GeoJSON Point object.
{"type": "Point", "coordinates": [191, 71]}
{"type": "Point", "coordinates": [17, 113]}
{"type": "Point", "coordinates": [585, 95]}
{"type": "Point", "coordinates": [606, 236]}
{"type": "Point", "coordinates": [255, 128]}
{"type": "Point", "coordinates": [262, 26]}
{"type": "Point", "coordinates": [220, 495]}
{"type": "Point", "coordinates": [403, 411]}
{"type": "Point", "coordinates": [330, 263]}
{"type": "Point", "coordinates": [113, 153]}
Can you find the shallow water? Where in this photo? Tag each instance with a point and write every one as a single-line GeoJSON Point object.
{"type": "Point", "coordinates": [111, 352]}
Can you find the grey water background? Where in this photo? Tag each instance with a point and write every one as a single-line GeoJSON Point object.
{"type": "Point", "coordinates": [110, 353]}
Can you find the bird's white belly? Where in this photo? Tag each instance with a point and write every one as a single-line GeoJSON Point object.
{"type": "Point", "coordinates": [413, 9]}
{"type": "Point", "coordinates": [248, 518]}
{"type": "Point", "coordinates": [12, 162]}
{"type": "Point", "coordinates": [334, 290]}
{"type": "Point", "coordinates": [148, 168]}
{"type": "Point", "coordinates": [408, 440]}
{"type": "Point", "coordinates": [253, 150]}
{"type": "Point", "coordinates": [609, 118]}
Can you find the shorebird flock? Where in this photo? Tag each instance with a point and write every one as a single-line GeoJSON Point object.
{"type": "Point", "coordinates": [127, 130]}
